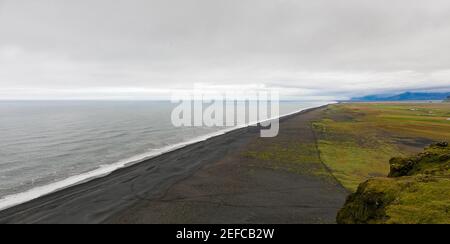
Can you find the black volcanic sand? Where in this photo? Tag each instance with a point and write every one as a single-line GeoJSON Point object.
{"type": "Point", "coordinates": [209, 182]}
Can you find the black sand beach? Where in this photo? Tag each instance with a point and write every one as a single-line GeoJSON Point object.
{"type": "Point", "coordinates": [214, 181]}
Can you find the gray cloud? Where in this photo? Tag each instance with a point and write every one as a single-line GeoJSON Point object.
{"type": "Point", "coordinates": [144, 47]}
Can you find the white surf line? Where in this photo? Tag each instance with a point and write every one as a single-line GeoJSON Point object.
{"type": "Point", "coordinates": [104, 170]}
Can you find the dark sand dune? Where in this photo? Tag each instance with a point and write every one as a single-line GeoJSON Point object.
{"type": "Point", "coordinates": [208, 182]}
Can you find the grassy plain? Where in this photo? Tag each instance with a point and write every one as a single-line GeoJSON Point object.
{"type": "Point", "coordinates": [357, 140]}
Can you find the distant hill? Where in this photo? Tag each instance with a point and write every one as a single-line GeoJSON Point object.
{"type": "Point", "coordinates": [407, 96]}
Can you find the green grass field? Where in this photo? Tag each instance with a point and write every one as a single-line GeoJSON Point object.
{"type": "Point", "coordinates": [416, 192]}
{"type": "Point", "coordinates": [356, 140]}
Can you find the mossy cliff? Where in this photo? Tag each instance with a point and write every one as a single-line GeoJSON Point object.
{"type": "Point", "coordinates": [417, 191]}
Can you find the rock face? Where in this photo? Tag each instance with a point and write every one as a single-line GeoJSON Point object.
{"type": "Point", "coordinates": [417, 190]}
{"type": "Point", "coordinates": [435, 154]}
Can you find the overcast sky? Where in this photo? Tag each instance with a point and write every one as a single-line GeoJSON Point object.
{"type": "Point", "coordinates": [145, 48]}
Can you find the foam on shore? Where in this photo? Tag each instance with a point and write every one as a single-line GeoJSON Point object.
{"type": "Point", "coordinates": [34, 193]}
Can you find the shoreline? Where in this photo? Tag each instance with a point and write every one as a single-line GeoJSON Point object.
{"type": "Point", "coordinates": [219, 136]}
{"type": "Point", "coordinates": [10, 201]}
{"type": "Point", "coordinates": [279, 180]}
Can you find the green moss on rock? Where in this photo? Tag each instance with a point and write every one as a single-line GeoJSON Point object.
{"type": "Point", "coordinates": [428, 162]}
{"type": "Point", "coordinates": [416, 192]}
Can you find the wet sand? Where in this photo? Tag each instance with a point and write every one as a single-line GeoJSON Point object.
{"type": "Point", "coordinates": [208, 182]}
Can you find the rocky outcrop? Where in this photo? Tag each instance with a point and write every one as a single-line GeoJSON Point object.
{"type": "Point", "coordinates": [416, 191]}
{"type": "Point", "coordinates": [433, 156]}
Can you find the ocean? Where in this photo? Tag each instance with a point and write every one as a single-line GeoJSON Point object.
{"type": "Point", "coordinates": [49, 145]}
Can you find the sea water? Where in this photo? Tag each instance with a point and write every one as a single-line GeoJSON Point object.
{"type": "Point", "coordinates": [49, 145]}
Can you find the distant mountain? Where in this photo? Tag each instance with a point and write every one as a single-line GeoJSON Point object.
{"type": "Point", "coordinates": [407, 96]}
